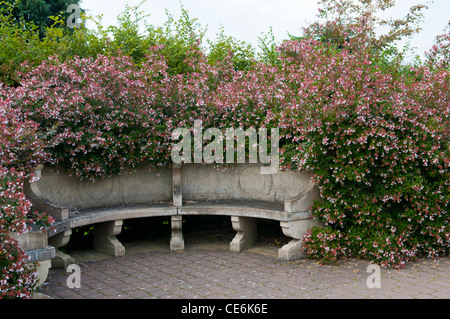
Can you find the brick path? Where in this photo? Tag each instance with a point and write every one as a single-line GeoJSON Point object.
{"type": "Point", "coordinates": [219, 274]}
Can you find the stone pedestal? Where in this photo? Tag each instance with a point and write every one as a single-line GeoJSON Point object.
{"type": "Point", "coordinates": [176, 238]}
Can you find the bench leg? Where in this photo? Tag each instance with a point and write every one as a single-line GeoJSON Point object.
{"type": "Point", "coordinates": [176, 238]}
{"type": "Point", "coordinates": [61, 259]}
{"type": "Point", "coordinates": [246, 233]}
{"type": "Point", "coordinates": [105, 239]}
{"type": "Point", "coordinates": [296, 230]}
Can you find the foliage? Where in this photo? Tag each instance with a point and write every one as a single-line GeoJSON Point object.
{"type": "Point", "coordinates": [242, 54]}
{"type": "Point", "coordinates": [356, 23]}
{"type": "Point", "coordinates": [175, 38]}
{"type": "Point", "coordinates": [268, 48]}
{"type": "Point", "coordinates": [376, 138]}
{"type": "Point", "coordinates": [17, 278]}
{"type": "Point", "coordinates": [95, 116]}
{"type": "Point", "coordinates": [39, 12]}
{"type": "Point", "coordinates": [20, 152]}
{"type": "Point", "coordinates": [379, 153]}
{"type": "Point", "coordinates": [439, 56]}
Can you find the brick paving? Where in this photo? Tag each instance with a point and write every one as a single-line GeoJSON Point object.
{"type": "Point", "coordinates": [219, 274]}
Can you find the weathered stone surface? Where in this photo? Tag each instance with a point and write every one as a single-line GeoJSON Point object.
{"type": "Point", "coordinates": [241, 182]}
{"type": "Point", "coordinates": [43, 267]}
{"type": "Point", "coordinates": [106, 214]}
{"type": "Point", "coordinates": [31, 240]}
{"type": "Point", "coordinates": [139, 186]}
{"type": "Point", "coordinates": [176, 184]}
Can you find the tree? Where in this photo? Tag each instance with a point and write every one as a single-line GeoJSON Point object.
{"type": "Point", "coordinates": [242, 54]}
{"type": "Point", "coordinates": [38, 11]}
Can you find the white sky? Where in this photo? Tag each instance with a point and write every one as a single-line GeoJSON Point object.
{"type": "Point", "coordinates": [248, 19]}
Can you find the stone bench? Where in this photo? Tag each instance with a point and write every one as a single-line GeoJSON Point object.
{"type": "Point", "coordinates": [239, 191]}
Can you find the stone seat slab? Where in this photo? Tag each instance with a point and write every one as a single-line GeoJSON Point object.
{"type": "Point", "coordinates": [254, 209]}
{"type": "Point", "coordinates": [106, 214]}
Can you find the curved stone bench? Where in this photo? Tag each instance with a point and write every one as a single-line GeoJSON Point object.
{"type": "Point", "coordinates": [239, 191]}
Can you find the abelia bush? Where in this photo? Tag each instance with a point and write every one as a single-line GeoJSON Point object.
{"type": "Point", "coordinates": [20, 152]}
{"type": "Point", "coordinates": [378, 149]}
{"type": "Point", "coordinates": [95, 116]}
{"type": "Point", "coordinates": [100, 116]}
{"type": "Point", "coordinates": [17, 278]}
{"type": "Point", "coordinates": [439, 55]}
{"type": "Point", "coordinates": [14, 205]}
{"type": "Point", "coordinates": [21, 147]}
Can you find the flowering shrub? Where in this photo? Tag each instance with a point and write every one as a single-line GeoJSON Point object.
{"type": "Point", "coordinates": [17, 278]}
{"type": "Point", "coordinates": [14, 206]}
{"type": "Point", "coordinates": [378, 148]}
{"type": "Point", "coordinates": [95, 116]}
{"type": "Point", "coordinates": [19, 153]}
{"type": "Point", "coordinates": [100, 116]}
{"type": "Point", "coordinates": [439, 56]}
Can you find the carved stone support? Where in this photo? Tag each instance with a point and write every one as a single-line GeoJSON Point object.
{"type": "Point", "coordinates": [61, 260]}
{"type": "Point", "coordinates": [246, 233]}
{"type": "Point", "coordinates": [105, 239]}
{"type": "Point", "coordinates": [176, 238]}
{"type": "Point", "coordinates": [296, 230]}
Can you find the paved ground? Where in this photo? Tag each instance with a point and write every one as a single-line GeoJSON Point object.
{"type": "Point", "coordinates": [207, 271]}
